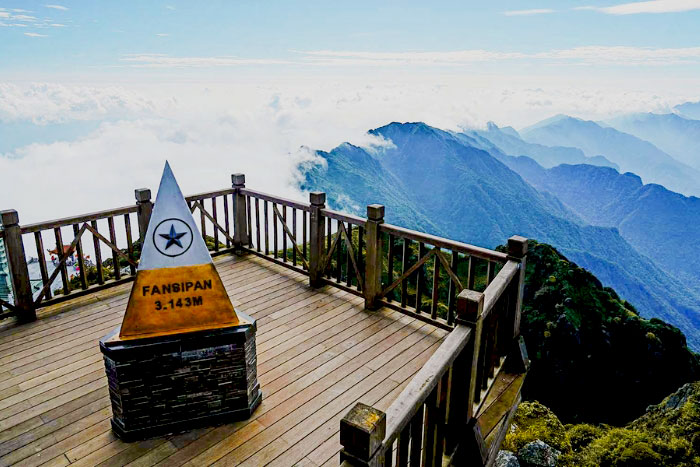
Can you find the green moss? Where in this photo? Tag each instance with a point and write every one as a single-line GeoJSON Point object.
{"type": "Point", "coordinates": [580, 436]}
{"type": "Point", "coordinates": [534, 421]}
{"type": "Point", "coordinates": [668, 434]}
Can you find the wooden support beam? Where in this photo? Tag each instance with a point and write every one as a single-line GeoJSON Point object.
{"type": "Point", "coordinates": [143, 201]}
{"type": "Point", "coordinates": [470, 305]}
{"type": "Point", "coordinates": [362, 432]}
{"type": "Point", "coordinates": [19, 273]}
{"type": "Point", "coordinates": [240, 220]}
{"type": "Point", "coordinates": [373, 264]}
{"type": "Point", "coordinates": [316, 238]}
{"type": "Point", "coordinates": [517, 251]}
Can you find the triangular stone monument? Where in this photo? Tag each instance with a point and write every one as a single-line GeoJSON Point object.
{"type": "Point", "coordinates": [183, 357]}
{"type": "Point", "coordinates": [177, 288]}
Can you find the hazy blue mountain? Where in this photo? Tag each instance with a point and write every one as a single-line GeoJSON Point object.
{"type": "Point", "coordinates": [509, 141]}
{"type": "Point", "coordinates": [673, 134]}
{"type": "Point", "coordinates": [658, 223]}
{"type": "Point", "coordinates": [438, 181]}
{"type": "Point", "coordinates": [689, 110]}
{"type": "Point", "coordinates": [630, 153]}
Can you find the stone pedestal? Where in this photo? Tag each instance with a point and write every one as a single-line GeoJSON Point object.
{"type": "Point", "coordinates": [168, 384]}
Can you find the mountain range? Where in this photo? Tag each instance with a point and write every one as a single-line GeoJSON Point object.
{"type": "Point", "coordinates": [463, 185]}
{"type": "Point", "coordinates": [629, 152]}
{"type": "Point", "coordinates": [677, 136]}
{"type": "Point", "coordinates": [658, 223]}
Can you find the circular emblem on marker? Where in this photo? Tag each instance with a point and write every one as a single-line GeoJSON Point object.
{"type": "Point", "coordinates": [172, 237]}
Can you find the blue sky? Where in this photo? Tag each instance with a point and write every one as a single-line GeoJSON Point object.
{"type": "Point", "coordinates": [241, 86]}
{"type": "Point", "coordinates": [40, 39]}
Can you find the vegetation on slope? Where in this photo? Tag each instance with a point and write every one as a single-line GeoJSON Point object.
{"type": "Point", "coordinates": [593, 357]}
{"type": "Point", "coordinates": [668, 434]}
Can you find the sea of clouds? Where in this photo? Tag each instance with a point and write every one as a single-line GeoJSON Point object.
{"type": "Point", "coordinates": [262, 129]}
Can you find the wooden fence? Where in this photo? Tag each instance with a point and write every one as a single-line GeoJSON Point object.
{"type": "Point", "coordinates": [474, 292]}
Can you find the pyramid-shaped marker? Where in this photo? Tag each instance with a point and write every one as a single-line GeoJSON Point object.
{"type": "Point", "coordinates": [177, 288]}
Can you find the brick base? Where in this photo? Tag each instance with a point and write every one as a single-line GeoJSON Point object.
{"type": "Point", "coordinates": [175, 383]}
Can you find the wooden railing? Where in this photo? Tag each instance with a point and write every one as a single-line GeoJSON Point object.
{"type": "Point", "coordinates": [273, 229]}
{"type": "Point", "coordinates": [6, 308]}
{"type": "Point", "coordinates": [473, 292]}
{"type": "Point", "coordinates": [415, 273]}
{"type": "Point", "coordinates": [433, 420]}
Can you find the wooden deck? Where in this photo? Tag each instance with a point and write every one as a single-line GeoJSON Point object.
{"type": "Point", "coordinates": [319, 353]}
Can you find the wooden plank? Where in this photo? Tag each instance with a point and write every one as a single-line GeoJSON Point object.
{"type": "Point", "coordinates": [18, 407]}
{"type": "Point", "coordinates": [330, 448]}
{"type": "Point", "coordinates": [355, 344]}
{"type": "Point", "coordinates": [372, 387]}
{"type": "Point", "coordinates": [36, 393]}
{"type": "Point", "coordinates": [23, 434]}
{"type": "Point", "coordinates": [304, 388]}
{"type": "Point", "coordinates": [155, 455]}
{"type": "Point", "coordinates": [505, 392]}
{"type": "Point", "coordinates": [60, 447]}
{"type": "Point", "coordinates": [51, 438]}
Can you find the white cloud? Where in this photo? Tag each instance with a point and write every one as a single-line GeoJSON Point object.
{"type": "Point", "coordinates": [653, 6]}
{"type": "Point", "coordinates": [56, 103]}
{"type": "Point", "coordinates": [162, 34]}
{"type": "Point", "coordinates": [57, 7]}
{"type": "Point", "coordinates": [4, 14]}
{"type": "Point", "coordinates": [534, 11]}
{"type": "Point", "coordinates": [57, 25]}
{"type": "Point", "coordinates": [27, 18]}
{"type": "Point", "coordinates": [619, 55]}
{"type": "Point", "coordinates": [207, 131]}
{"type": "Point", "coordinates": [166, 61]}
{"type": "Point", "coordinates": [34, 34]}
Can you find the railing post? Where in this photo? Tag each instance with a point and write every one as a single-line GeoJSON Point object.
{"type": "Point", "coordinates": [362, 432]}
{"type": "Point", "coordinates": [317, 200]}
{"type": "Point", "coordinates": [240, 220]}
{"type": "Point", "coordinates": [373, 263]}
{"type": "Point", "coordinates": [17, 260]}
{"type": "Point", "coordinates": [143, 201]}
{"type": "Point", "coordinates": [517, 251]}
{"type": "Point", "coordinates": [470, 305]}
{"type": "Point", "coordinates": [457, 413]}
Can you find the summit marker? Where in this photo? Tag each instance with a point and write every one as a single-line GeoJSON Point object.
{"type": "Point", "coordinates": [168, 296]}
{"type": "Point", "coordinates": [182, 357]}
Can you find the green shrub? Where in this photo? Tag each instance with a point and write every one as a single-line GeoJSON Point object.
{"type": "Point", "coordinates": [534, 421]}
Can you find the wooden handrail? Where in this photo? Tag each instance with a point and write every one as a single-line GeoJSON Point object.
{"type": "Point", "coordinates": [498, 285]}
{"type": "Point", "coordinates": [67, 221]}
{"type": "Point", "coordinates": [402, 410]}
{"type": "Point", "coordinates": [343, 217]}
{"type": "Point", "coordinates": [209, 194]}
{"type": "Point", "coordinates": [436, 414]}
{"type": "Point", "coordinates": [276, 199]}
{"type": "Point", "coordinates": [440, 242]}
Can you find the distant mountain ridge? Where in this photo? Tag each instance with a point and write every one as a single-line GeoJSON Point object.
{"type": "Point", "coordinates": [509, 141]}
{"type": "Point", "coordinates": [673, 134]}
{"type": "Point", "coordinates": [449, 185]}
{"type": "Point", "coordinates": [689, 110]}
{"type": "Point", "coordinates": [630, 153]}
{"type": "Point", "coordinates": [658, 223]}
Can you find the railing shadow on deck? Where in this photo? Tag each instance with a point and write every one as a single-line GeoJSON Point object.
{"type": "Point", "coordinates": [475, 293]}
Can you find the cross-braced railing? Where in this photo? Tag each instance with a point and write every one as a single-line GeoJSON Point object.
{"type": "Point", "coordinates": [413, 272]}
{"type": "Point", "coordinates": [473, 292]}
{"type": "Point", "coordinates": [439, 417]}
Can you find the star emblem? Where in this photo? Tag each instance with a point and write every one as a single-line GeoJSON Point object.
{"type": "Point", "coordinates": [173, 237]}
